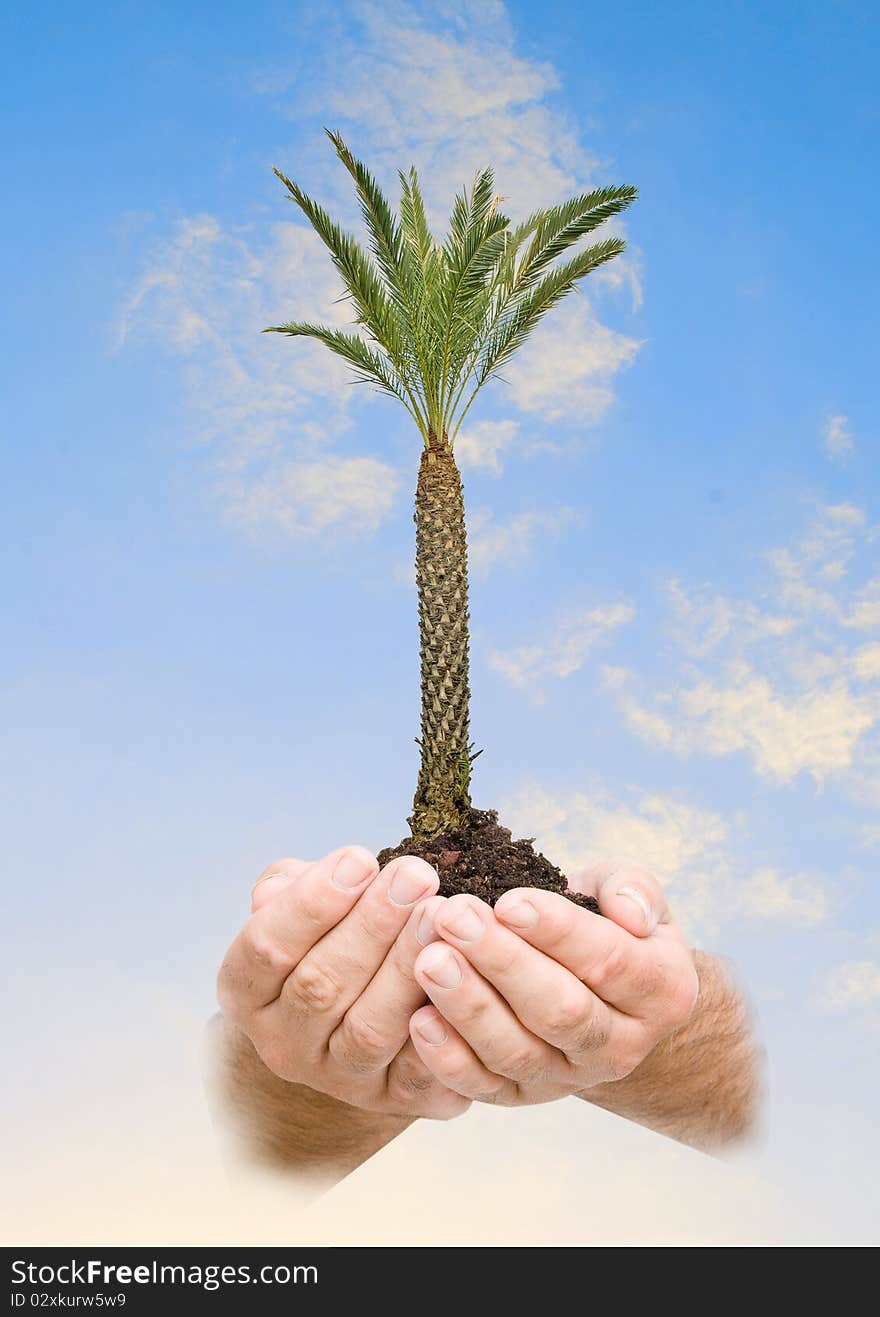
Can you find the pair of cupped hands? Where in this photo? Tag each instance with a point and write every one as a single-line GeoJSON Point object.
{"type": "Point", "coordinates": [366, 985]}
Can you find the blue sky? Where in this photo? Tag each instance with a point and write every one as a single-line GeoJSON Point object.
{"type": "Point", "coordinates": [209, 645]}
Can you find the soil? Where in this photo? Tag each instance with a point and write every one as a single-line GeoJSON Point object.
{"type": "Point", "coordinates": [483, 860]}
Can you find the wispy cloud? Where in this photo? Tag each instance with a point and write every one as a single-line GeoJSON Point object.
{"type": "Point", "coordinates": [508, 543]}
{"type": "Point", "coordinates": [695, 852]}
{"type": "Point", "coordinates": [852, 986]}
{"type": "Point", "coordinates": [788, 681]}
{"type": "Point", "coordinates": [350, 494]}
{"type": "Point", "coordinates": [800, 900]}
{"type": "Point", "coordinates": [839, 443]}
{"type": "Point", "coordinates": [566, 371]}
{"type": "Point", "coordinates": [267, 407]}
{"type": "Point", "coordinates": [435, 88]}
{"type": "Point", "coordinates": [481, 445]}
{"type": "Point", "coordinates": [816, 731]}
{"type": "Point", "coordinates": [569, 640]}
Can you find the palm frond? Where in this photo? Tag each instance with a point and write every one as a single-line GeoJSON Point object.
{"type": "Point", "coordinates": [533, 305]}
{"type": "Point", "coordinates": [414, 222]}
{"type": "Point", "coordinates": [370, 366]}
{"type": "Point", "coordinates": [381, 222]}
{"type": "Point", "coordinates": [443, 318]}
{"type": "Point", "coordinates": [562, 226]}
{"type": "Point", "coordinates": [362, 282]}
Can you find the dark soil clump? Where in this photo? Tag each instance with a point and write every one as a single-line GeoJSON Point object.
{"type": "Point", "coordinates": [483, 860]}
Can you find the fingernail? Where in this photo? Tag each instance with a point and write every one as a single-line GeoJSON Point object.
{"type": "Point", "coordinates": [520, 914]}
{"type": "Point", "coordinates": [431, 1029]}
{"type": "Point", "coordinates": [463, 922]}
{"type": "Point", "coordinates": [633, 894]}
{"type": "Point", "coordinates": [353, 869]}
{"type": "Point", "coordinates": [267, 878]}
{"type": "Point", "coordinates": [441, 967]}
{"type": "Point", "coordinates": [408, 885]}
{"type": "Point", "coordinates": [425, 931]}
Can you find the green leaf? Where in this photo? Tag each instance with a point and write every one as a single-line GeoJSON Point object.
{"type": "Point", "coordinates": [443, 318]}
{"type": "Point", "coordinates": [528, 310]}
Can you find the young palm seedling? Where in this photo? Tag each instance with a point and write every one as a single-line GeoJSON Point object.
{"type": "Point", "coordinates": [437, 322]}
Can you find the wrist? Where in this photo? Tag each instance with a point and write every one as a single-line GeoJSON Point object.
{"type": "Point", "coordinates": [286, 1126]}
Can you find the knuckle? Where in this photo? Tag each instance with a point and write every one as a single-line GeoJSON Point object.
{"type": "Point", "coordinates": [565, 1014]}
{"type": "Point", "coordinates": [262, 951]}
{"type": "Point", "coordinates": [611, 965]}
{"type": "Point", "coordinates": [472, 1010]}
{"type": "Point", "coordinates": [494, 1093]}
{"type": "Point", "coordinates": [409, 1083]}
{"type": "Point", "coordinates": [312, 986]}
{"type": "Point", "coordinates": [358, 1045]}
{"type": "Point", "coordinates": [591, 1036]}
{"type": "Point", "coordinates": [525, 1065]}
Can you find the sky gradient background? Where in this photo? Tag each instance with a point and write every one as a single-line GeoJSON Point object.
{"type": "Point", "coordinates": [209, 653]}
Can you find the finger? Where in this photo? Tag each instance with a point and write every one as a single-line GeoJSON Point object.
{"type": "Point", "coordinates": [412, 1090]}
{"type": "Point", "coordinates": [329, 979]}
{"type": "Point", "coordinates": [454, 1063]}
{"type": "Point", "coordinates": [621, 969]}
{"type": "Point", "coordinates": [278, 935]}
{"type": "Point", "coordinates": [376, 1026]}
{"type": "Point", "coordinates": [551, 1001]}
{"type": "Point", "coordinates": [274, 878]}
{"type": "Point", "coordinates": [626, 893]}
{"type": "Point", "coordinates": [484, 1019]}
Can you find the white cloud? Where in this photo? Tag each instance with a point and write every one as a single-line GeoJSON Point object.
{"type": "Point", "coordinates": [509, 543]}
{"type": "Point", "coordinates": [703, 620]}
{"type": "Point", "coordinates": [779, 680]}
{"type": "Point", "coordinates": [569, 642]}
{"type": "Point", "coordinates": [863, 610]}
{"type": "Point", "coordinates": [265, 405]}
{"type": "Point", "coordinates": [866, 662]}
{"type": "Point", "coordinates": [480, 445]}
{"type": "Point", "coordinates": [438, 93]}
{"type": "Point", "coordinates": [566, 370]}
{"type": "Point", "coordinates": [799, 900]}
{"type": "Point", "coordinates": [817, 731]}
{"type": "Point", "coordinates": [300, 499]}
{"type": "Point", "coordinates": [691, 850]}
{"type": "Point", "coordinates": [870, 834]}
{"type": "Point", "coordinates": [808, 574]}
{"type": "Point", "coordinates": [838, 438]}
{"type": "Point", "coordinates": [853, 985]}
{"type": "Point", "coordinates": [657, 831]}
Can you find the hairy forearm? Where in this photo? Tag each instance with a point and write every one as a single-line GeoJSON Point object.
{"type": "Point", "coordinates": [703, 1084]}
{"type": "Point", "coordinates": [289, 1127]}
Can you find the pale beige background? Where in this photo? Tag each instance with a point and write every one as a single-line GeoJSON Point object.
{"type": "Point", "coordinates": [120, 1148]}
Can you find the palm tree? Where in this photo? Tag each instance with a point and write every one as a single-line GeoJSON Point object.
{"type": "Point", "coordinates": [438, 322]}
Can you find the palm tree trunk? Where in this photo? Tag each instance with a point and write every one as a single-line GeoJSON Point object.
{"type": "Point", "coordinates": [442, 800]}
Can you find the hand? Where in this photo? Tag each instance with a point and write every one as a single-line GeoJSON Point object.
{"type": "Point", "coordinates": [321, 980]}
{"type": "Point", "coordinates": [541, 998]}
